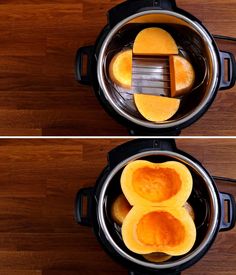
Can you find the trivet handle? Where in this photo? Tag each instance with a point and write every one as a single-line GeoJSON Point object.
{"type": "Point", "coordinates": [81, 76]}
{"type": "Point", "coordinates": [227, 225]}
{"type": "Point", "coordinates": [83, 206]}
{"type": "Point", "coordinates": [136, 146]}
{"type": "Point", "coordinates": [130, 7]}
{"type": "Point", "coordinates": [231, 78]}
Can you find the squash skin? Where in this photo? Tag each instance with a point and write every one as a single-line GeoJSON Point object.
{"type": "Point", "coordinates": [190, 210]}
{"type": "Point", "coordinates": [182, 75]}
{"type": "Point", "coordinates": [157, 257]}
{"type": "Point", "coordinates": [156, 108]}
{"type": "Point", "coordinates": [132, 240]}
{"type": "Point", "coordinates": [177, 199]}
{"type": "Point", "coordinates": [154, 41]}
{"type": "Point", "coordinates": [120, 69]}
{"type": "Point", "coordinates": [119, 209]}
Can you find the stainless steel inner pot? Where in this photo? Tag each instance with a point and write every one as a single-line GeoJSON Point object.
{"type": "Point", "coordinates": [203, 193]}
{"type": "Point", "coordinates": [192, 40]}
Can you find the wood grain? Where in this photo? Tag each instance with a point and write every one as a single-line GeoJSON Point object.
{"type": "Point", "coordinates": [38, 91]}
{"type": "Point", "coordinates": [39, 181]}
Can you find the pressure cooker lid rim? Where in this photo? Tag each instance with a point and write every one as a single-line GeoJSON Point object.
{"type": "Point", "coordinates": [186, 118]}
{"type": "Point", "coordinates": [212, 227]}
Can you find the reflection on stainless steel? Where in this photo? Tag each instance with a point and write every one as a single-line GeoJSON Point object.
{"type": "Point", "coordinates": [151, 75]}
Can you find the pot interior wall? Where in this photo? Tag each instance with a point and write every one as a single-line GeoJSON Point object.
{"type": "Point", "coordinates": [199, 200]}
{"type": "Point", "coordinates": [191, 45]}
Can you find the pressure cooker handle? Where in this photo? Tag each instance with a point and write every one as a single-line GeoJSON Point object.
{"type": "Point", "coordinates": [130, 7]}
{"type": "Point", "coordinates": [83, 206]}
{"type": "Point", "coordinates": [83, 70]}
{"type": "Point", "coordinates": [231, 212]}
{"type": "Point", "coordinates": [135, 146]}
{"type": "Point", "coordinates": [231, 70]}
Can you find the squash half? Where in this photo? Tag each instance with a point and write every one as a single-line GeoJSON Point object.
{"type": "Point", "coordinates": [182, 75]}
{"type": "Point", "coordinates": [154, 41]}
{"type": "Point", "coordinates": [167, 184]}
{"type": "Point", "coordinates": [156, 108]}
{"type": "Point", "coordinates": [151, 229]}
{"type": "Point", "coordinates": [120, 69]}
{"type": "Point", "coordinates": [119, 209]}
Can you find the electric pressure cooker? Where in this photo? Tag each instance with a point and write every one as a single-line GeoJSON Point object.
{"type": "Point", "coordinates": [207, 202]}
{"type": "Point", "coordinates": [194, 41]}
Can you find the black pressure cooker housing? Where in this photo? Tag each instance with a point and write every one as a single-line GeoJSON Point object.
{"type": "Point", "coordinates": [117, 14]}
{"type": "Point", "coordinates": [92, 194]}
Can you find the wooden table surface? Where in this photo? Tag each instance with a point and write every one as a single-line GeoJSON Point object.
{"type": "Point", "coordinates": [39, 181]}
{"type": "Point", "coordinates": [38, 91]}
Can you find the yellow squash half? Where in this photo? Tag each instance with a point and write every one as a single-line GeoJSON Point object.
{"type": "Point", "coordinates": [152, 229]}
{"type": "Point", "coordinates": [167, 184]}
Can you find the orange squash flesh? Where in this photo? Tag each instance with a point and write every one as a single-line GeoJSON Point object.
{"type": "Point", "coordinates": [120, 208]}
{"type": "Point", "coordinates": [120, 69]}
{"type": "Point", "coordinates": [151, 229]}
{"type": "Point", "coordinates": [156, 184]}
{"type": "Point", "coordinates": [154, 41]}
{"type": "Point", "coordinates": [158, 257]}
{"type": "Point", "coordinates": [156, 108]}
{"type": "Point", "coordinates": [182, 75]}
{"type": "Point", "coordinates": [159, 228]}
